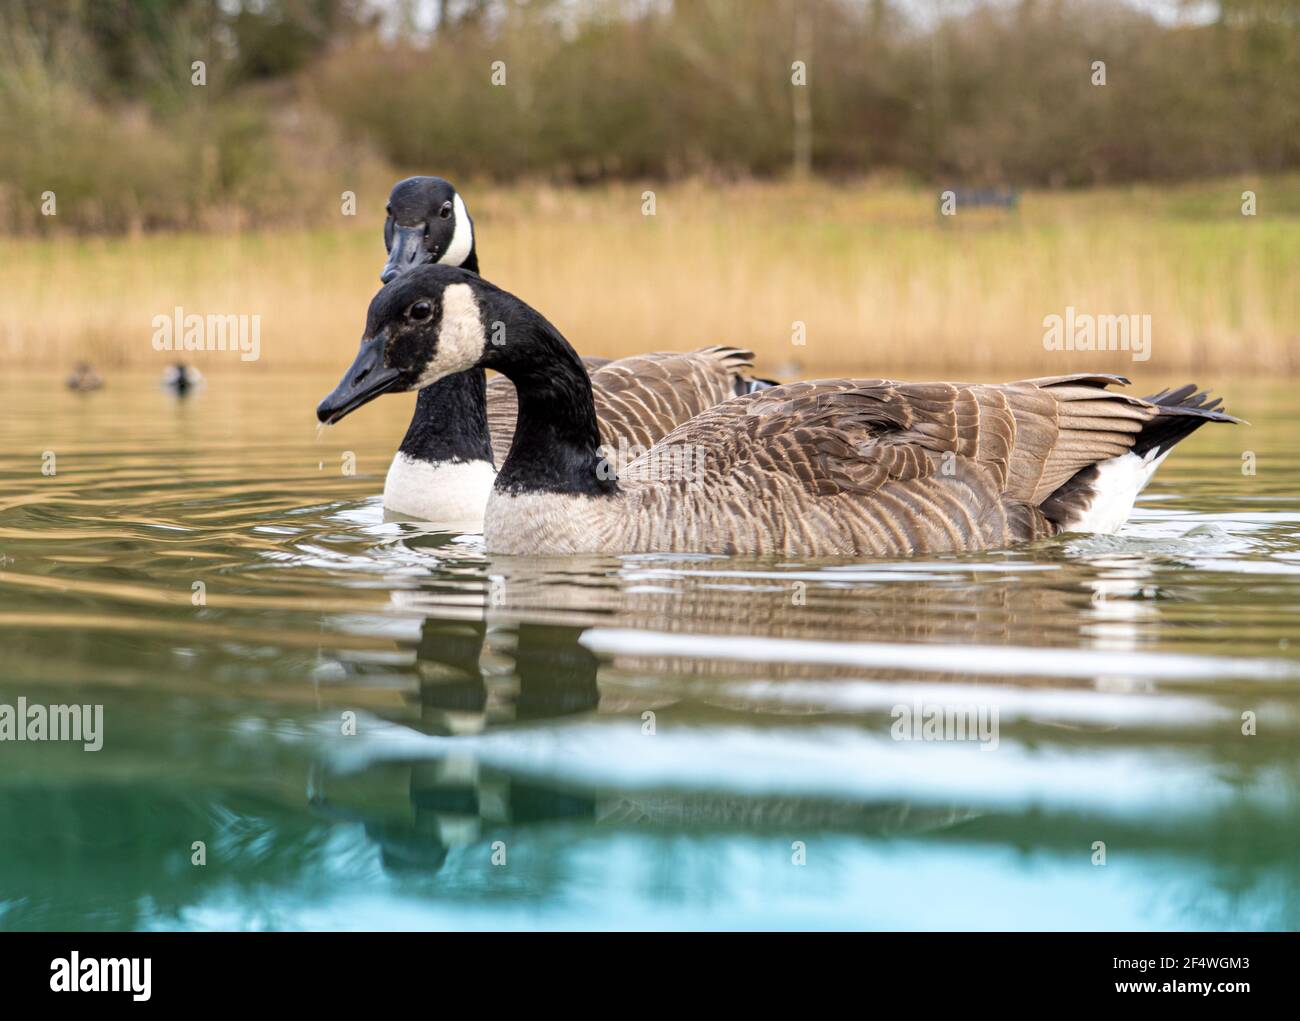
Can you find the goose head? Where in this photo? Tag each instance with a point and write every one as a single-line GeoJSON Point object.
{"type": "Point", "coordinates": [427, 323]}
{"type": "Point", "coordinates": [427, 223]}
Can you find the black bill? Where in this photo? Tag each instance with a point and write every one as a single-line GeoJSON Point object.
{"type": "Point", "coordinates": [362, 383]}
{"type": "Point", "coordinates": [407, 251]}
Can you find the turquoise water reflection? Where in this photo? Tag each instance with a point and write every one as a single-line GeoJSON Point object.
{"type": "Point", "coordinates": [636, 742]}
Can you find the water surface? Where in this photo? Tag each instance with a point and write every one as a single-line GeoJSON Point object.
{"type": "Point", "coordinates": [623, 742]}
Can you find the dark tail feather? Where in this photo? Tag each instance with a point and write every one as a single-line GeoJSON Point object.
{"type": "Point", "coordinates": [1182, 412]}
{"type": "Point", "coordinates": [752, 384]}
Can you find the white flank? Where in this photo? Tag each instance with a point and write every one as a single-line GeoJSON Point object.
{"type": "Point", "coordinates": [462, 238]}
{"type": "Point", "coordinates": [1117, 485]}
{"type": "Point", "coordinates": [450, 493]}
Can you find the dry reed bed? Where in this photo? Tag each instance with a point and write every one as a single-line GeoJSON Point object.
{"type": "Point", "coordinates": [879, 280]}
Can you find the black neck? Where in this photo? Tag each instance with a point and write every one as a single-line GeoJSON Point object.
{"type": "Point", "coordinates": [450, 418]}
{"type": "Point", "coordinates": [556, 444]}
{"type": "Point", "coordinates": [450, 421]}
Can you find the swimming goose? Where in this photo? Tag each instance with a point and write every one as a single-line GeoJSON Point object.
{"type": "Point", "coordinates": [463, 425]}
{"type": "Point", "coordinates": [842, 466]}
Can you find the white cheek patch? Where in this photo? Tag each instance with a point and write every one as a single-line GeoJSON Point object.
{"type": "Point", "coordinates": [461, 339]}
{"type": "Point", "coordinates": [462, 238]}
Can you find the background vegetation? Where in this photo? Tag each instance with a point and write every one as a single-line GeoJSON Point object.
{"type": "Point", "coordinates": [879, 280]}
{"type": "Point", "coordinates": [775, 203]}
{"type": "Point", "coordinates": [302, 96]}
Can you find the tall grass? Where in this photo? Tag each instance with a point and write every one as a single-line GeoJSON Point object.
{"type": "Point", "coordinates": [881, 282]}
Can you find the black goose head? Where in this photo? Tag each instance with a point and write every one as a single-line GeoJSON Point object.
{"type": "Point", "coordinates": [427, 323]}
{"type": "Point", "coordinates": [427, 223]}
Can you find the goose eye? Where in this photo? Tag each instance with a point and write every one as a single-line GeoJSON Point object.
{"type": "Point", "coordinates": [420, 311]}
{"type": "Point", "coordinates": [445, 211]}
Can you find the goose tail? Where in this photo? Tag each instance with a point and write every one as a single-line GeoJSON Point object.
{"type": "Point", "coordinates": [753, 384]}
{"type": "Point", "coordinates": [1182, 412]}
{"type": "Point", "coordinates": [1100, 498]}
{"type": "Point", "coordinates": [738, 360]}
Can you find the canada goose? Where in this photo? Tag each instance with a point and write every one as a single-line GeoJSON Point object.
{"type": "Point", "coordinates": [84, 378]}
{"type": "Point", "coordinates": [463, 424]}
{"type": "Point", "coordinates": [806, 469]}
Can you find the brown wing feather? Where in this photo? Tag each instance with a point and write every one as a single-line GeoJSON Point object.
{"type": "Point", "coordinates": [876, 466]}
{"type": "Point", "coordinates": [639, 399]}
{"type": "Point", "coordinates": [502, 413]}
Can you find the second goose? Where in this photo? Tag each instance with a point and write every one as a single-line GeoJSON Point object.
{"type": "Point", "coordinates": [463, 424]}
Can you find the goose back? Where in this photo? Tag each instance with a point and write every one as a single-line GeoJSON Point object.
{"type": "Point", "coordinates": [870, 467]}
{"type": "Point", "coordinates": [639, 400]}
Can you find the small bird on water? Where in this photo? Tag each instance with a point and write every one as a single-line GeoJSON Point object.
{"type": "Point", "coordinates": [84, 378]}
{"type": "Point", "coordinates": [181, 379]}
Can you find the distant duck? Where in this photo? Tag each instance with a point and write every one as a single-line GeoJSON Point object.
{"type": "Point", "coordinates": [182, 379]}
{"type": "Point", "coordinates": [462, 425]}
{"type": "Point", "coordinates": [84, 378]}
{"type": "Point", "coordinates": [837, 467]}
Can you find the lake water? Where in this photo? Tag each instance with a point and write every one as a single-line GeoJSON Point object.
{"type": "Point", "coordinates": [624, 742]}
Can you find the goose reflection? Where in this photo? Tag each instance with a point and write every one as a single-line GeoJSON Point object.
{"type": "Point", "coordinates": [547, 674]}
{"type": "Point", "coordinates": [534, 737]}
{"type": "Point", "coordinates": [417, 810]}
{"type": "Point", "coordinates": [451, 799]}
